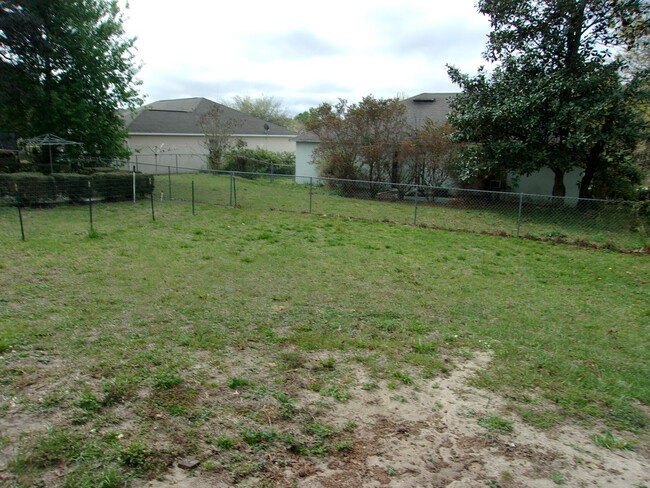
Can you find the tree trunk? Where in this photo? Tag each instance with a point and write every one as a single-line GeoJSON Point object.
{"type": "Point", "coordinates": [559, 190]}
{"type": "Point", "coordinates": [593, 161]}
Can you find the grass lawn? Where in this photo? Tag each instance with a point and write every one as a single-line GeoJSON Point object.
{"type": "Point", "coordinates": [201, 336]}
{"type": "Point", "coordinates": [614, 226]}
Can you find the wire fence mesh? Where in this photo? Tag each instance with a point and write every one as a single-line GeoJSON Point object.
{"type": "Point", "coordinates": [600, 223]}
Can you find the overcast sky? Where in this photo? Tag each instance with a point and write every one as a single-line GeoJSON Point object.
{"type": "Point", "coordinates": [303, 53]}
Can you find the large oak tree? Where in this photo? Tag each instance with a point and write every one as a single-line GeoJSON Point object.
{"type": "Point", "coordinates": [557, 97]}
{"type": "Point", "coordinates": [66, 68]}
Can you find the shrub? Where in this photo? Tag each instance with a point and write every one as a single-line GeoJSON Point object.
{"type": "Point", "coordinates": [33, 188]}
{"type": "Point", "coordinates": [38, 189]}
{"type": "Point", "coordinates": [259, 161]}
{"type": "Point", "coordinates": [71, 185]}
{"type": "Point", "coordinates": [118, 185]}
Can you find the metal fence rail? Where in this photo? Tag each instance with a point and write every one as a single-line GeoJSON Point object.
{"type": "Point", "coordinates": [614, 224]}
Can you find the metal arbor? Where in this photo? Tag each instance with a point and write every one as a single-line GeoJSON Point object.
{"type": "Point", "coordinates": [49, 140]}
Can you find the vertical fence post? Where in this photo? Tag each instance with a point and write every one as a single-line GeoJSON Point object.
{"type": "Point", "coordinates": [521, 202]}
{"type": "Point", "coordinates": [169, 181]}
{"type": "Point", "coordinates": [193, 198]}
{"type": "Point", "coordinates": [134, 189]}
{"type": "Point", "coordinates": [232, 176]}
{"type": "Point", "coordinates": [90, 204]}
{"type": "Point", "coordinates": [20, 212]}
{"type": "Point", "coordinates": [234, 190]}
{"type": "Point", "coordinates": [153, 214]}
{"type": "Point", "coordinates": [272, 171]}
{"type": "Point", "coordinates": [311, 187]}
{"type": "Point", "coordinates": [177, 164]}
{"type": "Point", "coordinates": [415, 207]}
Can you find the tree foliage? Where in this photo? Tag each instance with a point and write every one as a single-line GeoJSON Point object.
{"type": "Point", "coordinates": [359, 141]}
{"type": "Point", "coordinates": [372, 141]}
{"type": "Point", "coordinates": [557, 98]}
{"type": "Point", "coordinates": [66, 68]}
{"type": "Point", "coordinates": [428, 154]}
{"type": "Point", "coordinates": [265, 107]}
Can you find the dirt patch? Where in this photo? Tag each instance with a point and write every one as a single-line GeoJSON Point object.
{"type": "Point", "coordinates": [429, 435]}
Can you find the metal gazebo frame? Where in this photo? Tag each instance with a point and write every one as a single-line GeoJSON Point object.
{"type": "Point", "coordinates": [49, 140]}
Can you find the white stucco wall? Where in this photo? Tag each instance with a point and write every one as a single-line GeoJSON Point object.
{"type": "Point", "coordinates": [541, 183]}
{"type": "Point", "coordinates": [305, 167]}
{"type": "Point", "coordinates": [188, 152]}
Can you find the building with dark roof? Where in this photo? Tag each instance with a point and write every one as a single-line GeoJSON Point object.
{"type": "Point", "coordinates": [171, 133]}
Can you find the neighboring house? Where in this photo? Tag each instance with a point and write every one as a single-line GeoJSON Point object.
{"type": "Point", "coordinates": [305, 167]}
{"type": "Point", "coordinates": [433, 106]}
{"type": "Point", "coordinates": [169, 133]}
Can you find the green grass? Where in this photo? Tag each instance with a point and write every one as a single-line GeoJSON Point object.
{"type": "Point", "coordinates": [157, 340]}
{"type": "Point", "coordinates": [615, 226]}
{"type": "Point", "coordinates": [496, 424]}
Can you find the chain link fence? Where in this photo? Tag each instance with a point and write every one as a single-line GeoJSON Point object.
{"type": "Point", "coordinates": [31, 194]}
{"type": "Point", "coordinates": [616, 225]}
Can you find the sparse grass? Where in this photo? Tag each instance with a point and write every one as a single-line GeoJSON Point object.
{"type": "Point", "coordinates": [609, 441]}
{"type": "Point", "coordinates": [139, 333]}
{"type": "Point", "coordinates": [496, 424]}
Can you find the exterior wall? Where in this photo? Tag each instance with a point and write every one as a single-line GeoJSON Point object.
{"type": "Point", "coordinates": [189, 152]}
{"type": "Point", "coordinates": [305, 167]}
{"type": "Point", "coordinates": [541, 183]}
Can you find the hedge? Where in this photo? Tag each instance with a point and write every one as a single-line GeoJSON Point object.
{"type": "Point", "coordinates": [38, 189]}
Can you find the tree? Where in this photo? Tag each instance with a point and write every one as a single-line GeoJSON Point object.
{"type": "Point", "coordinates": [66, 68]}
{"type": "Point", "coordinates": [428, 153]}
{"type": "Point", "coordinates": [557, 98]}
{"type": "Point", "coordinates": [218, 130]}
{"type": "Point", "coordinates": [267, 108]}
{"type": "Point", "coordinates": [360, 140]}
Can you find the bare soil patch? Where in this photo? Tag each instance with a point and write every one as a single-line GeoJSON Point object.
{"type": "Point", "coordinates": [429, 435]}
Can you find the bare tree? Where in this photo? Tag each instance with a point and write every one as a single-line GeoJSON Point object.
{"type": "Point", "coordinates": [218, 130]}
{"type": "Point", "coordinates": [428, 153]}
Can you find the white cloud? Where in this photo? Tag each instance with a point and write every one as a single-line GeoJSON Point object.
{"type": "Point", "coordinates": [300, 53]}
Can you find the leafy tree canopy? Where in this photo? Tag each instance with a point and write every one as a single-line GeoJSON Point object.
{"type": "Point", "coordinates": [557, 98]}
{"type": "Point", "coordinates": [265, 107]}
{"type": "Point", "coordinates": [66, 68]}
{"type": "Point", "coordinates": [358, 140]}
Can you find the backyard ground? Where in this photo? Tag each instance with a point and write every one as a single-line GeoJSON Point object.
{"type": "Point", "coordinates": [266, 348]}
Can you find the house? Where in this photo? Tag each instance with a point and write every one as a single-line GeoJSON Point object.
{"type": "Point", "coordinates": [432, 106]}
{"type": "Point", "coordinates": [171, 133]}
{"type": "Point", "coordinates": [436, 107]}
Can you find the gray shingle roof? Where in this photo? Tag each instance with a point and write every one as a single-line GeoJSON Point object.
{"type": "Point", "coordinates": [434, 106]}
{"type": "Point", "coordinates": [183, 116]}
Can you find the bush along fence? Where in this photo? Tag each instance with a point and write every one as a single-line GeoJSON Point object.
{"type": "Point", "coordinates": [34, 190]}
{"type": "Point", "coordinates": [617, 225]}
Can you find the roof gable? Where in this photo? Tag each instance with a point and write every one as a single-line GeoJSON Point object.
{"type": "Point", "coordinates": [433, 106]}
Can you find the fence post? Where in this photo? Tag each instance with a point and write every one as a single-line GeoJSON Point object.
{"type": "Point", "coordinates": [153, 214]}
{"type": "Point", "coordinates": [234, 190]}
{"type": "Point", "coordinates": [415, 209]}
{"type": "Point", "coordinates": [20, 212]}
{"type": "Point", "coordinates": [134, 189]}
{"type": "Point", "coordinates": [90, 204]}
{"type": "Point", "coordinates": [169, 180]}
{"type": "Point", "coordinates": [177, 164]}
{"type": "Point", "coordinates": [193, 198]}
{"type": "Point", "coordinates": [311, 186]}
{"type": "Point", "coordinates": [521, 201]}
{"type": "Point", "coordinates": [232, 176]}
